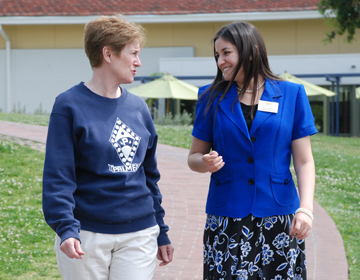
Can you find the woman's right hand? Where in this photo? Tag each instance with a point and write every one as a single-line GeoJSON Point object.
{"type": "Point", "coordinates": [213, 161]}
{"type": "Point", "coordinates": [200, 158]}
{"type": "Point", "coordinates": [72, 248]}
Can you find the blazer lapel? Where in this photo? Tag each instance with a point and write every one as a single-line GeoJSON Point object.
{"type": "Point", "coordinates": [271, 93]}
{"type": "Point", "coordinates": [233, 110]}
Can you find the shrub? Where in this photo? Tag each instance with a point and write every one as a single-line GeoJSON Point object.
{"type": "Point", "coordinates": [179, 119]}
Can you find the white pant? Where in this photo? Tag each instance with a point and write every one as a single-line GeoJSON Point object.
{"type": "Point", "coordinates": [128, 256]}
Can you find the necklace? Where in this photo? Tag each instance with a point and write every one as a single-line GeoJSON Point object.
{"type": "Point", "coordinates": [250, 90]}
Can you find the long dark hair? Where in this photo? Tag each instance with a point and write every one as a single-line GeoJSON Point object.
{"type": "Point", "coordinates": [249, 43]}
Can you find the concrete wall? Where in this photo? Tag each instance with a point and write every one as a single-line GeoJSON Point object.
{"type": "Point", "coordinates": [48, 59]}
{"type": "Point", "coordinates": [2, 80]}
{"type": "Point", "coordinates": [39, 75]}
{"type": "Point", "coordinates": [302, 37]}
{"type": "Point", "coordinates": [290, 37]}
{"type": "Point", "coordinates": [294, 64]}
{"type": "Point", "coordinates": [44, 36]}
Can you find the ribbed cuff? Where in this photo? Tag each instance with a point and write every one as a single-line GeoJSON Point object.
{"type": "Point", "coordinates": [163, 239]}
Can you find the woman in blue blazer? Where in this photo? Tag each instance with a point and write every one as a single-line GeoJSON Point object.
{"type": "Point", "coordinates": [248, 125]}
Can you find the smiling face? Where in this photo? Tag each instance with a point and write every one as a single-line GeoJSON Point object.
{"type": "Point", "coordinates": [227, 57]}
{"type": "Point", "coordinates": [125, 63]}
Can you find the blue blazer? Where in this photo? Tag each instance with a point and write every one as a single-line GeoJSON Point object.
{"type": "Point", "coordinates": [256, 177]}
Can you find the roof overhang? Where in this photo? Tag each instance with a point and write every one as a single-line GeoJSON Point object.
{"type": "Point", "coordinates": [184, 18]}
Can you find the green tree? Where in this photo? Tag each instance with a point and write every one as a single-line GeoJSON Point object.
{"type": "Point", "coordinates": [346, 20]}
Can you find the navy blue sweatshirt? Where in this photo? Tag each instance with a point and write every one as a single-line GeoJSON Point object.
{"type": "Point", "coordinates": [100, 171]}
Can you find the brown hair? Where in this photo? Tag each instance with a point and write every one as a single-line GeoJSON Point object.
{"type": "Point", "coordinates": [249, 43]}
{"type": "Point", "coordinates": [111, 31]}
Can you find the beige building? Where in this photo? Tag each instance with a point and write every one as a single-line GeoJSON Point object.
{"type": "Point", "coordinates": [41, 50]}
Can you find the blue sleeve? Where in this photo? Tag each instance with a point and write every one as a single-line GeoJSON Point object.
{"type": "Point", "coordinates": [152, 177]}
{"type": "Point", "coordinates": [59, 179]}
{"type": "Point", "coordinates": [203, 124]}
{"type": "Point", "coordinates": [304, 124]}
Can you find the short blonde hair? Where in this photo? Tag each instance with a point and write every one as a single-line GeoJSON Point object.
{"type": "Point", "coordinates": [111, 31]}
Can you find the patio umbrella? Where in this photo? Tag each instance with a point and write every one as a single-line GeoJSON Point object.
{"type": "Point", "coordinates": [310, 88]}
{"type": "Point", "coordinates": [166, 87]}
{"type": "Point", "coordinates": [358, 93]}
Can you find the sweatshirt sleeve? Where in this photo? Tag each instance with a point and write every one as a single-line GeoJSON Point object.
{"type": "Point", "coordinates": [59, 179]}
{"type": "Point", "coordinates": [152, 177]}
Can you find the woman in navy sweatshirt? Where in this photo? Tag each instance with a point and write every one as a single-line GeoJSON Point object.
{"type": "Point", "coordinates": [100, 192]}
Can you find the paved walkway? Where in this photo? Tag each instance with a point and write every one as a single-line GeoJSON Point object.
{"type": "Point", "coordinates": [184, 194]}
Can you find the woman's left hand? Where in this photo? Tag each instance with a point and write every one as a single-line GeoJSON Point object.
{"type": "Point", "coordinates": [301, 226]}
{"type": "Point", "coordinates": [165, 254]}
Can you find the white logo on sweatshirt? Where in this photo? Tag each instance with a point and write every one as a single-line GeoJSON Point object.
{"type": "Point", "coordinates": [125, 142]}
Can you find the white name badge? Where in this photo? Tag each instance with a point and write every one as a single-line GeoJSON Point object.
{"type": "Point", "coordinates": [267, 106]}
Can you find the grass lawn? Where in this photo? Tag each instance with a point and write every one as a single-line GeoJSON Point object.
{"type": "Point", "coordinates": [26, 242]}
{"type": "Point", "coordinates": [25, 118]}
{"type": "Point", "coordinates": [337, 163]}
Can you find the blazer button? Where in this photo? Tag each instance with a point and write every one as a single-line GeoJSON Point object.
{"type": "Point", "coordinates": [217, 182]}
{"type": "Point", "coordinates": [253, 139]}
{"type": "Point", "coordinates": [250, 160]}
{"type": "Point", "coordinates": [251, 182]}
{"type": "Point", "coordinates": [286, 181]}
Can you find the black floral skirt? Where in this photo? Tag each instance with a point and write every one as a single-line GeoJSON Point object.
{"type": "Point", "coordinates": [252, 248]}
